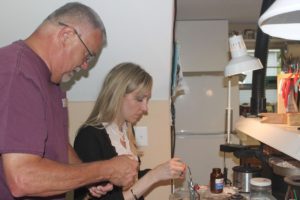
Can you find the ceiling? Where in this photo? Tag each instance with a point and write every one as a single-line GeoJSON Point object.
{"type": "Point", "coordinates": [236, 11]}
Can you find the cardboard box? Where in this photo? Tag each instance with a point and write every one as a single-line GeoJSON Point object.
{"type": "Point", "coordinates": [293, 119]}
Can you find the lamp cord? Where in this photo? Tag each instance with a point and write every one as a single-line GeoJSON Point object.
{"type": "Point", "coordinates": [225, 173]}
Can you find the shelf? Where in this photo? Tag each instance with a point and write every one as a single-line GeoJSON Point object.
{"type": "Point", "coordinates": [279, 136]}
{"type": "Point", "coordinates": [274, 43]}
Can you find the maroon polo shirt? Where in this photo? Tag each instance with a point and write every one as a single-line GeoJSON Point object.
{"type": "Point", "coordinates": [33, 112]}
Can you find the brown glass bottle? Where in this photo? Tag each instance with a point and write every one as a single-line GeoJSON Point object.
{"type": "Point", "coordinates": [216, 181]}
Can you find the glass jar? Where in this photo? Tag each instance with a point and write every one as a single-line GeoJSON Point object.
{"type": "Point", "coordinates": [261, 189]}
{"type": "Point", "coordinates": [183, 194]}
{"type": "Point", "coordinates": [216, 181]}
{"type": "Point", "coordinates": [180, 194]}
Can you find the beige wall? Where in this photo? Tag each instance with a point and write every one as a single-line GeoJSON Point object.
{"type": "Point", "coordinates": [158, 124]}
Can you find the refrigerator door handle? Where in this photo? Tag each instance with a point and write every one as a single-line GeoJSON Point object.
{"type": "Point", "coordinates": [192, 132]}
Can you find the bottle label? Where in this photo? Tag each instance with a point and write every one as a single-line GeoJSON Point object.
{"type": "Point", "coordinates": [219, 183]}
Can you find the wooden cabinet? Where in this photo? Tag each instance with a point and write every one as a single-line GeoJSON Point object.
{"type": "Point", "coordinates": [203, 45]}
{"type": "Point", "coordinates": [293, 50]}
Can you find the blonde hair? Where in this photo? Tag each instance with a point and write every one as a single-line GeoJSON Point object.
{"type": "Point", "coordinates": [121, 80]}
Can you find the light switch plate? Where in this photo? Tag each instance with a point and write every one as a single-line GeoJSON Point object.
{"type": "Point", "coordinates": [141, 135]}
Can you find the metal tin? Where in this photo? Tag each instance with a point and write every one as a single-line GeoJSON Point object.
{"type": "Point", "coordinates": [242, 176]}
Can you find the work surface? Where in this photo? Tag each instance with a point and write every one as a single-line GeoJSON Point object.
{"type": "Point", "coordinates": [205, 194]}
{"type": "Point", "coordinates": [281, 137]}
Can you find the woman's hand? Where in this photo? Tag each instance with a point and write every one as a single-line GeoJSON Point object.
{"type": "Point", "coordinates": [100, 190]}
{"type": "Point", "coordinates": [171, 169]}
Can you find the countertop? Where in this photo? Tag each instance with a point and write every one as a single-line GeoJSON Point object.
{"type": "Point", "coordinates": [205, 194]}
{"type": "Point", "coordinates": [279, 136]}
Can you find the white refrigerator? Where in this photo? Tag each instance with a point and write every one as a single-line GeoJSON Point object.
{"type": "Point", "coordinates": [200, 124]}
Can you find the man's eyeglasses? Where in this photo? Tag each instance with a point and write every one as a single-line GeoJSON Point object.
{"type": "Point", "coordinates": [90, 55]}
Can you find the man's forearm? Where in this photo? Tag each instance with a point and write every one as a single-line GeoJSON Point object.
{"type": "Point", "coordinates": [43, 177]}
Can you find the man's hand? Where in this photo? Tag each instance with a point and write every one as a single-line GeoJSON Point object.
{"type": "Point", "coordinates": [125, 171]}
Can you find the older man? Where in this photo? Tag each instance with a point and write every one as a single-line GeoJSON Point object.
{"type": "Point", "coordinates": [36, 158]}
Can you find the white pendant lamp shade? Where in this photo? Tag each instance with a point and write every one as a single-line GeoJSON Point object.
{"type": "Point", "coordinates": [282, 20]}
{"type": "Point", "coordinates": [241, 62]}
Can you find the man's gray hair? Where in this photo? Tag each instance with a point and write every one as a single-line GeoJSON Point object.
{"type": "Point", "coordinates": [79, 13]}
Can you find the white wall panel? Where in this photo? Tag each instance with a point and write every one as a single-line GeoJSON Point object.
{"type": "Point", "coordinates": [139, 31]}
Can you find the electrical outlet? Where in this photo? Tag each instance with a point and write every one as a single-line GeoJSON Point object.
{"type": "Point", "coordinates": [141, 135]}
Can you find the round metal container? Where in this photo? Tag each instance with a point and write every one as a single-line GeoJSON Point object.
{"type": "Point", "coordinates": [242, 176]}
{"type": "Point", "coordinates": [283, 167]}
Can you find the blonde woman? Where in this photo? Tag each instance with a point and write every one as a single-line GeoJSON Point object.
{"type": "Point", "coordinates": [107, 132]}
